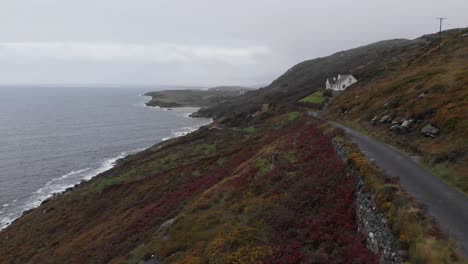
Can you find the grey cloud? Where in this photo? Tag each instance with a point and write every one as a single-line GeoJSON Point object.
{"type": "Point", "coordinates": [196, 42]}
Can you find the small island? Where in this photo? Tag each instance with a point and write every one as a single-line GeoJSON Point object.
{"type": "Point", "coordinates": [194, 98]}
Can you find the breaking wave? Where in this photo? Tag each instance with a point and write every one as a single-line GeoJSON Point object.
{"type": "Point", "coordinates": [13, 210]}
{"type": "Point", "coordinates": [56, 185]}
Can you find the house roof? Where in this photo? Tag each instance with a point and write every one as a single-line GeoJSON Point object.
{"type": "Point", "coordinates": [342, 78]}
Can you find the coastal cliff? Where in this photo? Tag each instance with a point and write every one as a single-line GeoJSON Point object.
{"type": "Point", "coordinates": [248, 194]}
{"type": "Point", "coordinates": [268, 182]}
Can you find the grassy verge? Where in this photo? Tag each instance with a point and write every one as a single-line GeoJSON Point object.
{"type": "Point", "coordinates": [292, 116]}
{"type": "Point", "coordinates": [314, 98]}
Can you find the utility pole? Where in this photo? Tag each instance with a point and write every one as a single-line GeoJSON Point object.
{"type": "Point", "coordinates": [440, 29]}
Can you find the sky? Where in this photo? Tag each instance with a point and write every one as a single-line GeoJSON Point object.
{"type": "Point", "coordinates": [196, 42]}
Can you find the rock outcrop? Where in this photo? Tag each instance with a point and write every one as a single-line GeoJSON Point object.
{"type": "Point", "coordinates": [407, 124]}
{"type": "Point", "coordinates": [430, 131]}
{"type": "Point", "coordinates": [385, 119]}
{"type": "Point", "coordinates": [396, 128]}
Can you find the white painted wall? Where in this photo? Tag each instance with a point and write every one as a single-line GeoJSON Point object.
{"type": "Point", "coordinates": [341, 86]}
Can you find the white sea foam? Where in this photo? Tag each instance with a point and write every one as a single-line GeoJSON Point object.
{"type": "Point", "coordinates": [59, 185]}
{"type": "Point", "coordinates": [183, 112]}
{"type": "Point", "coordinates": [108, 164]}
{"type": "Point", "coordinates": [68, 180]}
{"type": "Point", "coordinates": [175, 133]}
{"type": "Point", "coordinates": [180, 111]}
{"type": "Point", "coordinates": [68, 175]}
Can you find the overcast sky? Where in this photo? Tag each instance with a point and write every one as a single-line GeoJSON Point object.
{"type": "Point", "coordinates": [196, 42]}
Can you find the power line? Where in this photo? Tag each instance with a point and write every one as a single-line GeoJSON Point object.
{"type": "Point", "coordinates": [440, 29]}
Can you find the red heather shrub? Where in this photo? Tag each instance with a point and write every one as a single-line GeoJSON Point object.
{"type": "Point", "coordinates": [324, 228]}
{"type": "Point", "coordinates": [240, 181]}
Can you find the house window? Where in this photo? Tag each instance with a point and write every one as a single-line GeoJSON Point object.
{"type": "Point", "coordinates": [344, 86]}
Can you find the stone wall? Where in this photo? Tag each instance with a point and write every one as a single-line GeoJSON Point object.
{"type": "Point", "coordinates": [371, 222]}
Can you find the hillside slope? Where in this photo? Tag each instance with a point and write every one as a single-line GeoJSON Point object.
{"type": "Point", "coordinates": [425, 86]}
{"type": "Point", "coordinates": [268, 183]}
{"type": "Point", "coordinates": [309, 76]}
{"type": "Point", "coordinates": [240, 195]}
{"type": "Point", "coordinates": [404, 79]}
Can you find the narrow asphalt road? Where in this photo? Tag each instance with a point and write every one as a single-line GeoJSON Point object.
{"type": "Point", "coordinates": [446, 204]}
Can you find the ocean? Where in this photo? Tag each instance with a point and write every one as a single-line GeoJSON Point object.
{"type": "Point", "coordinates": [54, 137]}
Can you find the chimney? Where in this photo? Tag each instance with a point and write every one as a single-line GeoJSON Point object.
{"type": "Point", "coordinates": [339, 76]}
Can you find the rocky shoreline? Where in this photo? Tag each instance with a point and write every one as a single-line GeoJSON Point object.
{"type": "Point", "coordinates": [118, 161]}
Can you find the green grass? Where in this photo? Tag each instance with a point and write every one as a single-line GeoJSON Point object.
{"type": "Point", "coordinates": [293, 116]}
{"type": "Point", "coordinates": [263, 166]}
{"type": "Point", "coordinates": [206, 148]}
{"type": "Point", "coordinates": [143, 252]}
{"type": "Point", "coordinates": [250, 130]}
{"type": "Point", "coordinates": [315, 98]}
{"type": "Point", "coordinates": [444, 172]}
{"type": "Point", "coordinates": [221, 161]}
{"type": "Point", "coordinates": [291, 157]}
{"type": "Point", "coordinates": [100, 185]}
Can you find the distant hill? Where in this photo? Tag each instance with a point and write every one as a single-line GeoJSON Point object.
{"type": "Point", "coordinates": [365, 63]}
{"type": "Point", "coordinates": [230, 88]}
{"type": "Point", "coordinates": [310, 75]}
{"type": "Point", "coordinates": [407, 79]}
{"type": "Point", "coordinates": [195, 98]}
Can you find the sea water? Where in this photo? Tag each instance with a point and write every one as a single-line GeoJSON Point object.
{"type": "Point", "coordinates": [54, 137]}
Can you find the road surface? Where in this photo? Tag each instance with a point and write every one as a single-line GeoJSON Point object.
{"type": "Point", "coordinates": [446, 204]}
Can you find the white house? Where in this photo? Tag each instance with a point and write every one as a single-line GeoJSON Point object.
{"type": "Point", "coordinates": [340, 83]}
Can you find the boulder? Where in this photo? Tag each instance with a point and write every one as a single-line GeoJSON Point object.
{"type": "Point", "coordinates": [385, 119]}
{"type": "Point", "coordinates": [166, 224]}
{"type": "Point", "coordinates": [421, 96]}
{"type": "Point", "coordinates": [429, 130]}
{"type": "Point", "coordinates": [374, 121]}
{"type": "Point", "coordinates": [407, 123]}
{"type": "Point", "coordinates": [395, 128]}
